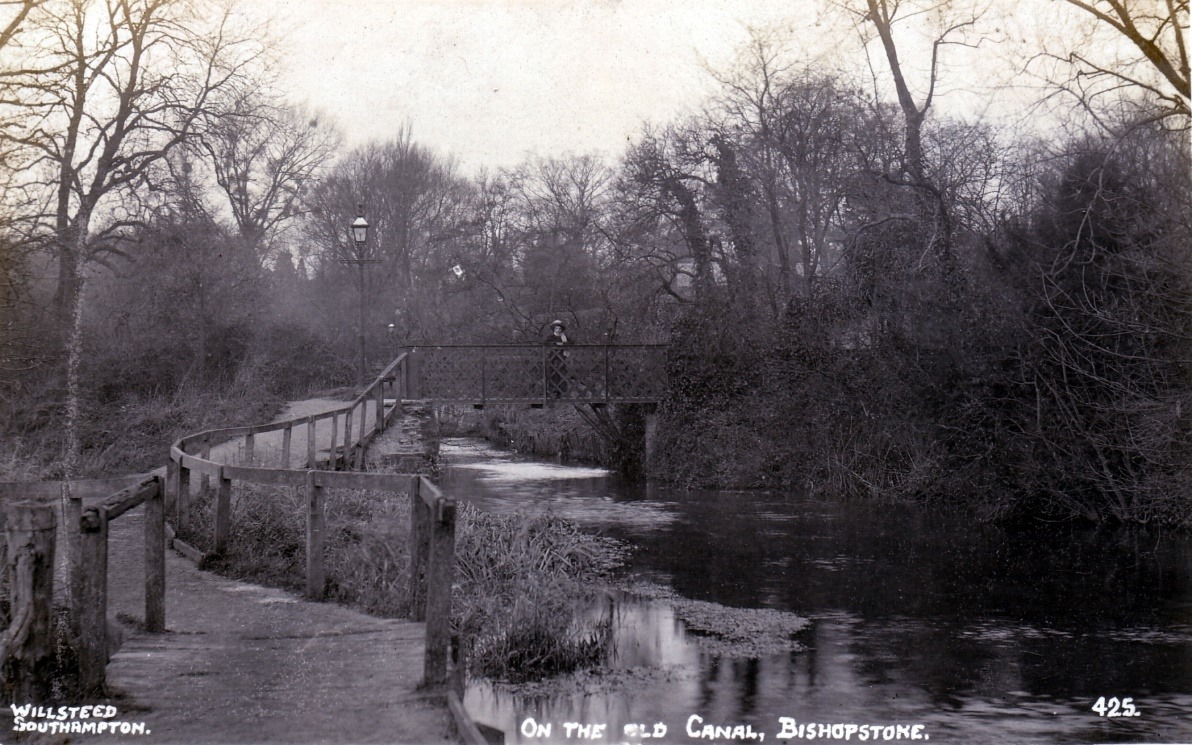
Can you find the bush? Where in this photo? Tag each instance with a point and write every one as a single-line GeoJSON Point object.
{"type": "Point", "coordinates": [549, 433]}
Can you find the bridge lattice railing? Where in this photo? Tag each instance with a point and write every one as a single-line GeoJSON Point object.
{"type": "Point", "coordinates": [578, 373]}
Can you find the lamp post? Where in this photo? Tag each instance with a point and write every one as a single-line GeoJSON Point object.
{"type": "Point", "coordinates": [358, 232]}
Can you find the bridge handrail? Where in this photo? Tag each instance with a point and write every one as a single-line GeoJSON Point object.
{"type": "Point", "coordinates": [79, 488]}
{"type": "Point", "coordinates": [539, 374]}
{"type": "Point", "coordinates": [373, 391]}
{"type": "Point", "coordinates": [432, 514]}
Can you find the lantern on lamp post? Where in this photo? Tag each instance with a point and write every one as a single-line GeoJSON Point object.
{"type": "Point", "coordinates": [360, 228]}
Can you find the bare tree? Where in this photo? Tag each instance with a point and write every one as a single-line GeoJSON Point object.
{"type": "Point", "coordinates": [666, 174]}
{"type": "Point", "coordinates": [417, 209]}
{"type": "Point", "coordinates": [1144, 52]}
{"type": "Point", "coordinates": [116, 87]}
{"type": "Point", "coordinates": [798, 133]}
{"type": "Point", "coordinates": [564, 196]}
{"type": "Point", "coordinates": [952, 26]}
{"type": "Point", "coordinates": [266, 158]}
{"type": "Point", "coordinates": [14, 14]}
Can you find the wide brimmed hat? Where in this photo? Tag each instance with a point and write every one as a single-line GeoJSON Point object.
{"type": "Point", "coordinates": [558, 323]}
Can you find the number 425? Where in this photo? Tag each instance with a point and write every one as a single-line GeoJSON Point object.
{"type": "Point", "coordinates": [1115, 708]}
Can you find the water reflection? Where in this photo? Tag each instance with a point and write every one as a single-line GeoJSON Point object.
{"type": "Point", "coordinates": [919, 617]}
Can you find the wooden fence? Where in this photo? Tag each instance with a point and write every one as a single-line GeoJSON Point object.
{"type": "Point", "coordinates": [432, 515]}
{"type": "Point", "coordinates": [31, 523]}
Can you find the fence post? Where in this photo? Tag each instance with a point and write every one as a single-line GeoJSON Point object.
{"type": "Point", "coordinates": [223, 513]}
{"type": "Point", "coordinates": [394, 391]}
{"type": "Point", "coordinates": [155, 560]}
{"type": "Point", "coordinates": [286, 436]}
{"type": "Point", "coordinates": [310, 442]}
{"type": "Point", "coordinates": [400, 387]}
{"type": "Point", "coordinates": [30, 530]}
{"type": "Point", "coordinates": [439, 576]}
{"type": "Point", "coordinates": [419, 549]}
{"type": "Point", "coordinates": [171, 493]}
{"type": "Point", "coordinates": [405, 372]}
{"type": "Point", "coordinates": [380, 423]}
{"type": "Point", "coordinates": [205, 478]}
{"type": "Point", "coordinates": [331, 457]}
{"type": "Point", "coordinates": [315, 580]}
{"type": "Point", "coordinates": [359, 460]}
{"type": "Point", "coordinates": [348, 438]}
{"type": "Point", "coordinates": [93, 603]}
{"type": "Point", "coordinates": [183, 498]}
{"type": "Point", "coordinates": [249, 448]}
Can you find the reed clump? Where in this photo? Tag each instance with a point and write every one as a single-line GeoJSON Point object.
{"type": "Point", "coordinates": [528, 594]}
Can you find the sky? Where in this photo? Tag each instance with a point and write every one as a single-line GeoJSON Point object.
{"type": "Point", "coordinates": [492, 81]}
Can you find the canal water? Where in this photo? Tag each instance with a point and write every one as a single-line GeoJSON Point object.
{"type": "Point", "coordinates": [977, 633]}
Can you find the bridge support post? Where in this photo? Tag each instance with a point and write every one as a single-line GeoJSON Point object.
{"type": "Point", "coordinates": [287, 437]}
{"type": "Point", "coordinates": [311, 454]}
{"type": "Point", "coordinates": [332, 458]}
{"type": "Point", "coordinates": [171, 495]}
{"type": "Point", "coordinates": [182, 498]}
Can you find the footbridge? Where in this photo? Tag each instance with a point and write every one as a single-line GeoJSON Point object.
{"type": "Point", "coordinates": [538, 375]}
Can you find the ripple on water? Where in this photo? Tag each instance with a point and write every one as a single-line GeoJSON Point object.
{"type": "Point", "coordinates": [514, 472]}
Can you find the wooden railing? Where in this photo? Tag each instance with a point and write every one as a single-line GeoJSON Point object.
{"type": "Point", "coordinates": [31, 522]}
{"type": "Point", "coordinates": [31, 518]}
{"type": "Point", "coordinates": [432, 515]}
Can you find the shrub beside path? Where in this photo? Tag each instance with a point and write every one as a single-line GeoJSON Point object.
{"type": "Point", "coordinates": [240, 663]}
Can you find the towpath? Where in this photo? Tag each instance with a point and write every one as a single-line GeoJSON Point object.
{"type": "Point", "coordinates": [240, 663]}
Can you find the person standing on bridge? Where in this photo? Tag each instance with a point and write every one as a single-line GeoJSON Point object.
{"type": "Point", "coordinates": [556, 360]}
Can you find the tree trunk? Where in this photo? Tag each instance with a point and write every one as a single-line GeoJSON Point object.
{"type": "Point", "coordinates": [74, 345]}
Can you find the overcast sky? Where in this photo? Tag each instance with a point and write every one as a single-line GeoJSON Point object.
{"type": "Point", "coordinates": [491, 81]}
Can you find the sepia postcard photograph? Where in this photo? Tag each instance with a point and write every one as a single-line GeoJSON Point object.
{"type": "Point", "coordinates": [641, 372]}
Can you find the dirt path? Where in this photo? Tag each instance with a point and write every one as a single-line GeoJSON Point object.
{"type": "Point", "coordinates": [267, 449]}
{"type": "Point", "coordinates": [241, 663]}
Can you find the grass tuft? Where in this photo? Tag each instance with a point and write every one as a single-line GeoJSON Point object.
{"type": "Point", "coordinates": [527, 589]}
